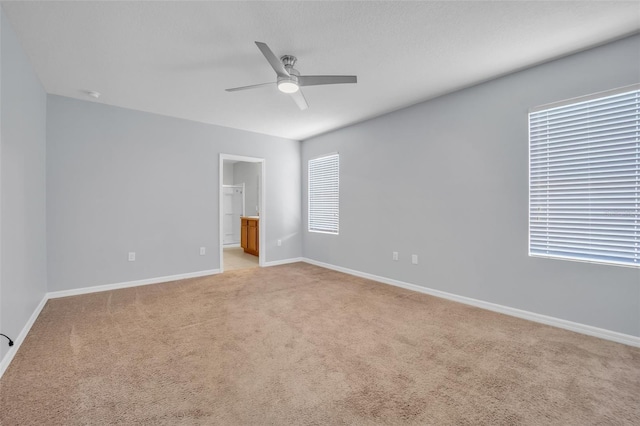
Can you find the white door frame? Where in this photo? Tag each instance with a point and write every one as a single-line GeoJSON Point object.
{"type": "Point", "coordinates": [263, 228]}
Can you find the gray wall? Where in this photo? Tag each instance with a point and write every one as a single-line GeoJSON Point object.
{"type": "Point", "coordinates": [120, 180]}
{"type": "Point", "coordinates": [249, 174]}
{"type": "Point", "coordinates": [227, 172]}
{"type": "Point", "coordinates": [448, 180]}
{"type": "Point", "coordinates": [22, 178]}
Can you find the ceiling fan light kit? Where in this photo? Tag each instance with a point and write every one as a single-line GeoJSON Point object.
{"type": "Point", "coordinates": [289, 79]}
{"type": "Point", "coordinates": [287, 86]}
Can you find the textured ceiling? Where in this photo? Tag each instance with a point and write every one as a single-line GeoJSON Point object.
{"type": "Point", "coordinates": [176, 58]}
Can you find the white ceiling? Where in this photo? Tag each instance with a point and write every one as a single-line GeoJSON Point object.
{"type": "Point", "coordinates": [176, 58]}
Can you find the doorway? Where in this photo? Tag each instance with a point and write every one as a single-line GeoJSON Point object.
{"type": "Point", "coordinates": [242, 202]}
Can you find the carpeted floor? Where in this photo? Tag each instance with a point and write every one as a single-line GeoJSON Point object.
{"type": "Point", "coordinates": [301, 345]}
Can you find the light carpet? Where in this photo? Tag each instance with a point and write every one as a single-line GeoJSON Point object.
{"type": "Point", "coordinates": [302, 345]}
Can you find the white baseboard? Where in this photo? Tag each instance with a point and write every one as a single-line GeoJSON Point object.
{"type": "Point", "coordinates": [531, 316]}
{"type": "Point", "coordinates": [589, 330]}
{"type": "Point", "coordinates": [283, 261]}
{"type": "Point", "coordinates": [4, 364]}
{"type": "Point", "coordinates": [17, 342]}
{"type": "Point", "coordinates": [107, 287]}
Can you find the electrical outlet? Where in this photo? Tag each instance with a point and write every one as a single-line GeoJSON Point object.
{"type": "Point", "coordinates": [203, 251]}
{"type": "Point", "coordinates": [395, 255]}
{"type": "Point", "coordinates": [279, 243]}
{"type": "Point", "coordinates": [414, 259]}
{"type": "Point", "coordinates": [132, 256]}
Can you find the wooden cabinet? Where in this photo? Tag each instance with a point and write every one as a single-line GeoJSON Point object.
{"type": "Point", "coordinates": [250, 235]}
{"type": "Point", "coordinates": [243, 233]}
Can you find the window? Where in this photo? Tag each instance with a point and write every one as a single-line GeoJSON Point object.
{"type": "Point", "coordinates": [324, 194]}
{"type": "Point", "coordinates": [584, 179]}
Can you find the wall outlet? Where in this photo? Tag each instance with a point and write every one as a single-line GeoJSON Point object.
{"type": "Point", "coordinates": [132, 256]}
{"type": "Point", "coordinates": [279, 243]}
{"type": "Point", "coordinates": [395, 255]}
{"type": "Point", "coordinates": [203, 251]}
{"type": "Point", "coordinates": [414, 259]}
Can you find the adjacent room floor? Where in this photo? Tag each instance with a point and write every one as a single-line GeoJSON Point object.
{"type": "Point", "coordinates": [299, 344]}
{"type": "Point", "coordinates": [235, 258]}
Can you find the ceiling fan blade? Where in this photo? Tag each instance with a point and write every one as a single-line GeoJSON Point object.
{"type": "Point", "coordinates": [316, 80]}
{"type": "Point", "coordinates": [276, 64]}
{"type": "Point", "coordinates": [298, 97]}
{"type": "Point", "coordinates": [254, 86]}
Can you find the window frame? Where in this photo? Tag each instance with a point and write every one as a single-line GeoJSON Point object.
{"type": "Point", "coordinates": [310, 209]}
{"type": "Point", "coordinates": [634, 234]}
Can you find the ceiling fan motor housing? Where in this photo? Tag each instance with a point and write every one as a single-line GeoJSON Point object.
{"type": "Point", "coordinates": [292, 77]}
{"type": "Point", "coordinates": [288, 61]}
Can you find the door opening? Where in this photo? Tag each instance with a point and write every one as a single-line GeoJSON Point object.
{"type": "Point", "coordinates": [241, 209]}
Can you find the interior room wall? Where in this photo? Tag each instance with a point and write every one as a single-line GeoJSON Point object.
{"type": "Point", "coordinates": [227, 172]}
{"type": "Point", "coordinates": [22, 187]}
{"type": "Point", "coordinates": [447, 180]}
{"type": "Point", "coordinates": [249, 174]}
{"type": "Point", "coordinates": [122, 181]}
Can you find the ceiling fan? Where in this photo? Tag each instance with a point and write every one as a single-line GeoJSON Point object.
{"type": "Point", "coordinates": [289, 79]}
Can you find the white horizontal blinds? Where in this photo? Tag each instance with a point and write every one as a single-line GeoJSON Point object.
{"type": "Point", "coordinates": [324, 194]}
{"type": "Point", "coordinates": [584, 180]}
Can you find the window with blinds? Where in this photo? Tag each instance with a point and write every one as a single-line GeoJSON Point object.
{"type": "Point", "coordinates": [584, 179]}
{"type": "Point", "coordinates": [324, 194]}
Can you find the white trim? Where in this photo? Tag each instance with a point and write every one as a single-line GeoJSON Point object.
{"type": "Point", "coordinates": [589, 330]}
{"type": "Point", "coordinates": [325, 155]}
{"type": "Point", "coordinates": [284, 261]}
{"type": "Point", "coordinates": [107, 287]}
{"type": "Point", "coordinates": [585, 98]}
{"type": "Point", "coordinates": [224, 246]}
{"type": "Point", "coordinates": [17, 342]}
